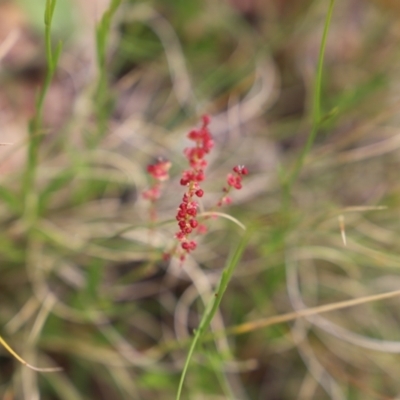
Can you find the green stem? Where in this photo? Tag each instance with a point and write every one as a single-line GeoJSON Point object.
{"type": "Point", "coordinates": [316, 110]}
{"type": "Point", "coordinates": [102, 95]}
{"type": "Point", "coordinates": [212, 308]}
{"type": "Point", "coordinates": [35, 125]}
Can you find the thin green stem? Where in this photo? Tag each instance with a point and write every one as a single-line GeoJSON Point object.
{"type": "Point", "coordinates": [102, 95]}
{"type": "Point", "coordinates": [212, 308]}
{"type": "Point", "coordinates": [316, 109]}
{"type": "Point", "coordinates": [35, 125]}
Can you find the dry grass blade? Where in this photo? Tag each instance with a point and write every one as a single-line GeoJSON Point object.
{"type": "Point", "coordinates": [263, 323]}
{"type": "Point", "coordinates": [22, 361]}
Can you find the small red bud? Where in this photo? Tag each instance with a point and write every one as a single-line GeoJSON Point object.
{"type": "Point", "coordinates": [200, 176]}
{"type": "Point", "coordinates": [206, 119]}
{"type": "Point", "coordinates": [192, 212]}
{"type": "Point", "coordinates": [182, 224]}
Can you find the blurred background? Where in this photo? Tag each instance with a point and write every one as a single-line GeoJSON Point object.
{"type": "Point", "coordinates": [83, 284]}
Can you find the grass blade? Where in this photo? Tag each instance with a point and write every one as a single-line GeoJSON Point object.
{"type": "Point", "coordinates": [316, 110]}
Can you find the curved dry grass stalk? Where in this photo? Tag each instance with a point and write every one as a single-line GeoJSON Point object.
{"type": "Point", "coordinates": [24, 314]}
{"type": "Point", "coordinates": [261, 95]}
{"type": "Point", "coordinates": [23, 362]}
{"type": "Point", "coordinates": [29, 377]}
{"type": "Point", "coordinates": [308, 387]}
{"type": "Point", "coordinates": [358, 132]}
{"type": "Point", "coordinates": [315, 368]}
{"type": "Point", "coordinates": [308, 312]}
{"type": "Point", "coordinates": [332, 328]}
{"type": "Point", "coordinates": [300, 332]}
{"type": "Point", "coordinates": [45, 310]}
{"type": "Point", "coordinates": [130, 169]}
{"type": "Point", "coordinates": [76, 243]}
{"type": "Point", "coordinates": [222, 215]}
{"type": "Point", "coordinates": [369, 151]}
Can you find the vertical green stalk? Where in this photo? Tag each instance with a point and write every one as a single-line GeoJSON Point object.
{"type": "Point", "coordinates": [102, 97]}
{"type": "Point", "coordinates": [35, 124]}
{"type": "Point", "coordinates": [212, 307]}
{"type": "Point", "coordinates": [316, 110]}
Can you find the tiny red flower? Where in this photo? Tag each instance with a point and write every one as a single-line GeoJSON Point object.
{"type": "Point", "coordinates": [159, 170]}
{"type": "Point", "coordinates": [233, 181]}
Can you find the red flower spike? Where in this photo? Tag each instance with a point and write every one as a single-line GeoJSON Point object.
{"type": "Point", "coordinates": [202, 144]}
{"type": "Point", "coordinates": [187, 211]}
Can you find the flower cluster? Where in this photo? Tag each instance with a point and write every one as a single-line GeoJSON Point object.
{"type": "Point", "coordinates": [233, 180]}
{"type": "Point", "coordinates": [159, 172]}
{"type": "Point", "coordinates": [191, 178]}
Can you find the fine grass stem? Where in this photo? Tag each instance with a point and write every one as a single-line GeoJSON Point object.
{"type": "Point", "coordinates": [35, 124]}
{"type": "Point", "coordinates": [102, 96]}
{"type": "Point", "coordinates": [22, 361]}
{"type": "Point", "coordinates": [212, 307]}
{"type": "Point", "coordinates": [316, 110]}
